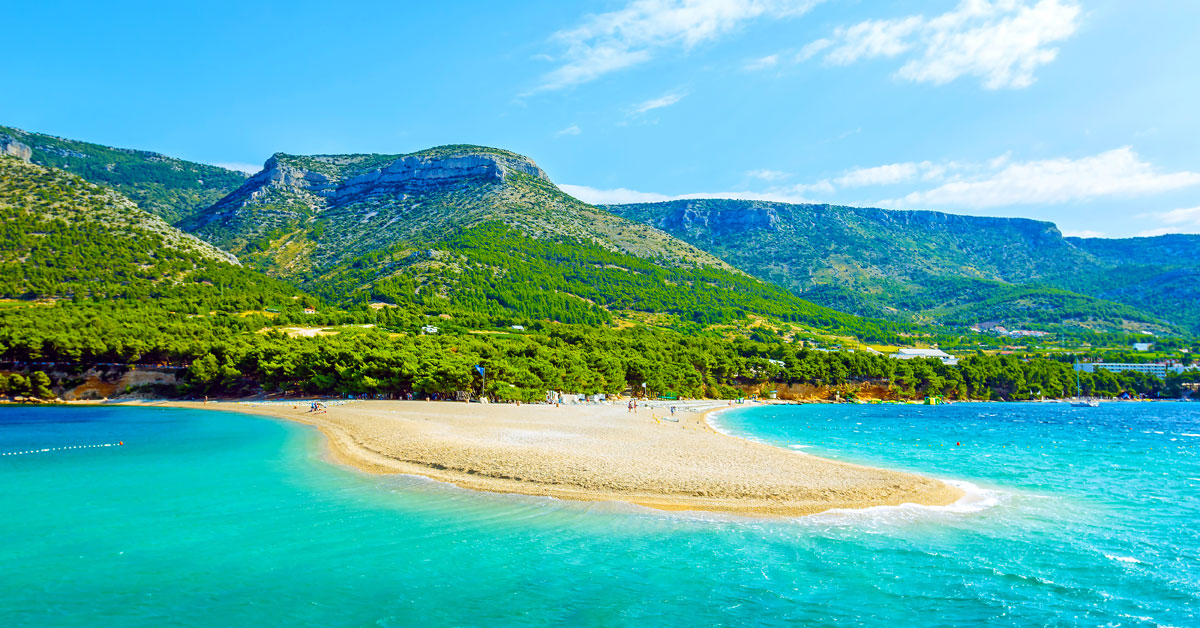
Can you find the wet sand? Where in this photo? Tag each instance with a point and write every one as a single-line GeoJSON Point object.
{"type": "Point", "coordinates": [597, 453]}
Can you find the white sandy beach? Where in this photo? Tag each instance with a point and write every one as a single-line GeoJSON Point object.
{"type": "Point", "coordinates": [596, 453]}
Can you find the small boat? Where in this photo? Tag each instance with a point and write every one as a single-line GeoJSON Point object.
{"type": "Point", "coordinates": [1080, 401]}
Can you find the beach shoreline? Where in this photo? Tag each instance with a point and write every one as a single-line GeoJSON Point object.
{"type": "Point", "coordinates": [593, 453]}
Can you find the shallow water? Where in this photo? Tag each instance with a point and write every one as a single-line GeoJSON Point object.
{"type": "Point", "coordinates": [1079, 517]}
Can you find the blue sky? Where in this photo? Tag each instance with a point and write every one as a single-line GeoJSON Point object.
{"type": "Point", "coordinates": [1082, 112]}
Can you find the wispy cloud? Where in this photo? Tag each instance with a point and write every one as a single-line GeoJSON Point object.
{"type": "Point", "coordinates": [571, 130]}
{"type": "Point", "coordinates": [889, 174]}
{"type": "Point", "coordinates": [612, 196]}
{"type": "Point", "coordinates": [762, 63]}
{"type": "Point", "coordinates": [240, 166]}
{"type": "Point", "coordinates": [768, 175]}
{"type": "Point", "coordinates": [1083, 233]}
{"type": "Point", "coordinates": [1119, 173]}
{"type": "Point", "coordinates": [1000, 42]}
{"type": "Point", "coordinates": [1174, 221]}
{"type": "Point", "coordinates": [619, 39]}
{"type": "Point", "coordinates": [666, 100]}
{"type": "Point", "coordinates": [596, 196]}
{"type": "Point", "coordinates": [956, 185]}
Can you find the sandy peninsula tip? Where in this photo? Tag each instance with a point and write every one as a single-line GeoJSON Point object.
{"type": "Point", "coordinates": [598, 453]}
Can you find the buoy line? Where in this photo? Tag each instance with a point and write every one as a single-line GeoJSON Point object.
{"type": "Point", "coordinates": [50, 449]}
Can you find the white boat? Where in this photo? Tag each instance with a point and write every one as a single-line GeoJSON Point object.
{"type": "Point", "coordinates": [1080, 401]}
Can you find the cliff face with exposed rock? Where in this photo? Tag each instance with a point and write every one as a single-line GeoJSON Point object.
{"type": "Point", "coordinates": [301, 184]}
{"type": "Point", "coordinates": [305, 213]}
{"type": "Point", "coordinates": [11, 147]}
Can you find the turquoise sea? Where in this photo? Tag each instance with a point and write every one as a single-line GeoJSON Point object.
{"type": "Point", "coordinates": [1076, 517]}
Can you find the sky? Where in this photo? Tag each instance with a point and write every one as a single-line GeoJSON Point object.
{"type": "Point", "coordinates": [1079, 112]}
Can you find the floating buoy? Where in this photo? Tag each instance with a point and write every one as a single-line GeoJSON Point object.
{"type": "Point", "coordinates": [958, 444]}
{"type": "Point", "coordinates": [63, 448]}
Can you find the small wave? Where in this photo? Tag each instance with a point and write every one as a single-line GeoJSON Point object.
{"type": "Point", "coordinates": [799, 446]}
{"type": "Point", "coordinates": [1122, 559]}
{"type": "Point", "coordinates": [1192, 435]}
{"type": "Point", "coordinates": [974, 499]}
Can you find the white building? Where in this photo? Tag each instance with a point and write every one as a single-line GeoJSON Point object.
{"type": "Point", "coordinates": [1142, 346]}
{"type": "Point", "coordinates": [908, 354]}
{"type": "Point", "coordinates": [429, 329]}
{"type": "Point", "coordinates": [1157, 369]}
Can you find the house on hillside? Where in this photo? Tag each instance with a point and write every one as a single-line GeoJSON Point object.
{"type": "Point", "coordinates": [908, 354]}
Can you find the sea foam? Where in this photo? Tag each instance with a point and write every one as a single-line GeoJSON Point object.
{"type": "Point", "coordinates": [975, 499]}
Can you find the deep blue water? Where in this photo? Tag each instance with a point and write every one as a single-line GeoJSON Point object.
{"type": "Point", "coordinates": [1082, 517]}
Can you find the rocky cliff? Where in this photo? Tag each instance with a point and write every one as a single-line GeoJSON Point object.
{"type": "Point", "coordinates": [11, 147]}
{"type": "Point", "coordinates": [305, 213]}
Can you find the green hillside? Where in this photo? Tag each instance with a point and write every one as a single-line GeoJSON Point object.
{"type": "Point", "coordinates": [944, 268]}
{"type": "Point", "coordinates": [474, 231]}
{"type": "Point", "coordinates": [304, 213]}
{"type": "Point", "coordinates": [167, 187]}
{"type": "Point", "coordinates": [544, 291]}
{"type": "Point", "coordinates": [63, 237]}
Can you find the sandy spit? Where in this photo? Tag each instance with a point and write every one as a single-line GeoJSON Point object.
{"type": "Point", "coordinates": [596, 453]}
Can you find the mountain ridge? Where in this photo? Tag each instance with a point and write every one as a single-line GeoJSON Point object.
{"type": "Point", "coordinates": [867, 260]}
{"type": "Point", "coordinates": [165, 186]}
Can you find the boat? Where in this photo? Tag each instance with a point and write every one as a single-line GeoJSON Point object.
{"type": "Point", "coordinates": [1080, 401]}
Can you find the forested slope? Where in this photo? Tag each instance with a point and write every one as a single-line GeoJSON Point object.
{"type": "Point", "coordinates": [167, 187]}
{"type": "Point", "coordinates": [937, 267]}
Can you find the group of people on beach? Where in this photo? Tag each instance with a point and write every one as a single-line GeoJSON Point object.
{"type": "Point", "coordinates": [632, 406]}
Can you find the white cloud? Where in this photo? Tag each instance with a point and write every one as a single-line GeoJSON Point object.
{"type": "Point", "coordinates": [616, 195]}
{"type": "Point", "coordinates": [762, 63]}
{"type": "Point", "coordinates": [1175, 221]}
{"type": "Point", "coordinates": [1084, 233]}
{"type": "Point", "coordinates": [873, 38]}
{"type": "Point", "coordinates": [666, 100]}
{"type": "Point", "coordinates": [571, 130]}
{"type": "Point", "coordinates": [768, 175]}
{"type": "Point", "coordinates": [612, 41]}
{"type": "Point", "coordinates": [239, 166]}
{"type": "Point", "coordinates": [1150, 233]}
{"type": "Point", "coordinates": [813, 49]}
{"type": "Point", "coordinates": [1001, 42]}
{"type": "Point", "coordinates": [882, 175]}
{"type": "Point", "coordinates": [791, 194]}
{"type": "Point", "coordinates": [1115, 173]}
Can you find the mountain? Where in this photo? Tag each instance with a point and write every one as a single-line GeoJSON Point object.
{"type": "Point", "coordinates": [63, 237]}
{"type": "Point", "coordinates": [314, 211]}
{"type": "Point", "coordinates": [167, 187]}
{"type": "Point", "coordinates": [475, 230]}
{"type": "Point", "coordinates": [945, 268]}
